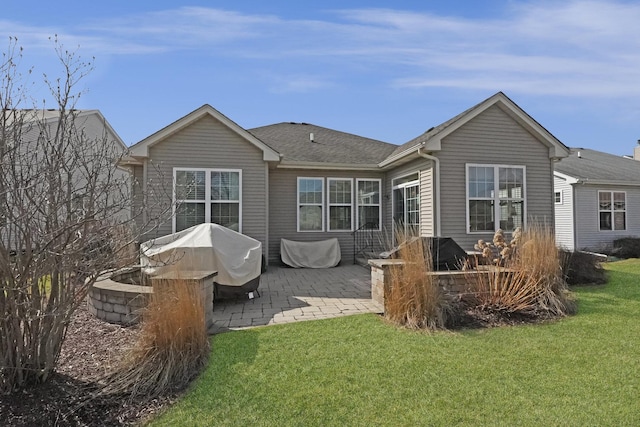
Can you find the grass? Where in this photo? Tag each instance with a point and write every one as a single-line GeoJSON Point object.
{"type": "Point", "coordinates": [363, 371]}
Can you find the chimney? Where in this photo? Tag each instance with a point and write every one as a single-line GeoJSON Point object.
{"type": "Point", "coordinates": [311, 137]}
{"type": "Point", "coordinates": [636, 151]}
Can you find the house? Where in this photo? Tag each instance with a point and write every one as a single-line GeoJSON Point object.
{"type": "Point", "coordinates": [75, 152]}
{"type": "Point", "coordinates": [489, 167]}
{"type": "Point", "coordinates": [597, 196]}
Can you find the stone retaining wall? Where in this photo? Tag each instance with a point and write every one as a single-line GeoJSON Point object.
{"type": "Point", "coordinates": [117, 302]}
{"type": "Point", "coordinates": [113, 301]}
{"type": "Point", "coordinates": [452, 282]}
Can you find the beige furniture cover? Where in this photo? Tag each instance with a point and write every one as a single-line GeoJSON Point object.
{"type": "Point", "coordinates": [321, 254]}
{"type": "Point", "coordinates": [237, 258]}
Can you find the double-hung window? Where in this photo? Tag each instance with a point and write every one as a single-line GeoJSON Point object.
{"type": "Point", "coordinates": [369, 207]}
{"type": "Point", "coordinates": [334, 204]}
{"type": "Point", "coordinates": [340, 204]}
{"type": "Point", "coordinates": [310, 204]}
{"type": "Point", "coordinates": [207, 195]}
{"type": "Point", "coordinates": [612, 210]}
{"type": "Point", "coordinates": [495, 197]}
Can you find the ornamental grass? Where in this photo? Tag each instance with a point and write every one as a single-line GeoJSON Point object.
{"type": "Point", "coordinates": [527, 280]}
{"type": "Point", "coordinates": [413, 298]}
{"type": "Point", "coordinates": [173, 345]}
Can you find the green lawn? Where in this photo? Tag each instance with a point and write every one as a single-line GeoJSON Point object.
{"type": "Point", "coordinates": [360, 371]}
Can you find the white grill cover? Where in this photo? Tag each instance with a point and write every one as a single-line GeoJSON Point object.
{"type": "Point", "coordinates": [237, 258]}
{"type": "Point", "coordinates": [321, 254]}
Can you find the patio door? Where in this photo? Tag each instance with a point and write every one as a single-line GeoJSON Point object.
{"type": "Point", "coordinates": [406, 205]}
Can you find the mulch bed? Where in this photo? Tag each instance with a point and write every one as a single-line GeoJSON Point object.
{"type": "Point", "coordinates": [91, 348]}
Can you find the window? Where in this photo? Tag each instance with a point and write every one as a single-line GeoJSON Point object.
{"type": "Point", "coordinates": [340, 204]}
{"type": "Point", "coordinates": [406, 204]}
{"type": "Point", "coordinates": [343, 203]}
{"type": "Point", "coordinates": [207, 195]}
{"type": "Point", "coordinates": [558, 197]}
{"type": "Point", "coordinates": [310, 204]}
{"type": "Point", "coordinates": [612, 209]}
{"type": "Point", "coordinates": [369, 207]}
{"type": "Point", "coordinates": [495, 197]}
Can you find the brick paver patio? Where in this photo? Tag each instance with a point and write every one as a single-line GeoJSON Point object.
{"type": "Point", "coordinates": [291, 295]}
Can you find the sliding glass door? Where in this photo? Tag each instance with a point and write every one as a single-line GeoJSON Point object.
{"type": "Point", "coordinates": [406, 205]}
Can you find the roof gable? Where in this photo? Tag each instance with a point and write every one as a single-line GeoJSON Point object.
{"type": "Point", "coordinates": [30, 117]}
{"type": "Point", "coordinates": [141, 149]}
{"type": "Point", "coordinates": [431, 140]}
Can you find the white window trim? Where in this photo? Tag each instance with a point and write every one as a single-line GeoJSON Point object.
{"type": "Point", "coordinates": [379, 204]}
{"type": "Point", "coordinates": [329, 204]}
{"type": "Point", "coordinates": [415, 182]}
{"type": "Point", "coordinates": [613, 224]}
{"type": "Point", "coordinates": [561, 201]}
{"type": "Point", "coordinates": [207, 191]}
{"type": "Point", "coordinates": [298, 204]}
{"type": "Point", "coordinates": [496, 196]}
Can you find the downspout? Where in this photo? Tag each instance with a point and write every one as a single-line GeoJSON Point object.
{"type": "Point", "coordinates": [436, 189]}
{"type": "Point", "coordinates": [573, 218]}
{"type": "Point", "coordinates": [144, 189]}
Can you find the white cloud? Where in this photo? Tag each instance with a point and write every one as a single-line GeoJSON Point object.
{"type": "Point", "coordinates": [573, 48]}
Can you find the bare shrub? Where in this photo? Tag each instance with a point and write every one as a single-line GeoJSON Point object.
{"type": "Point", "coordinates": [66, 213]}
{"type": "Point", "coordinates": [529, 281]}
{"type": "Point", "coordinates": [413, 297]}
{"type": "Point", "coordinates": [626, 247]}
{"type": "Point", "coordinates": [582, 268]}
{"type": "Point", "coordinates": [173, 345]}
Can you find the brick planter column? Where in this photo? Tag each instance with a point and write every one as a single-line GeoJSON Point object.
{"type": "Point", "coordinates": [451, 282]}
{"type": "Point", "coordinates": [202, 279]}
{"type": "Point", "coordinates": [380, 277]}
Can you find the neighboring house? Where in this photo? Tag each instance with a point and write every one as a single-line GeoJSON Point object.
{"type": "Point", "coordinates": [98, 140]}
{"type": "Point", "coordinates": [84, 149]}
{"type": "Point", "coordinates": [490, 167]}
{"type": "Point", "coordinates": [597, 199]}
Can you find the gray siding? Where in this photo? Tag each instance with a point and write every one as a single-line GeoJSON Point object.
{"type": "Point", "coordinates": [283, 209]}
{"type": "Point", "coordinates": [493, 137]}
{"type": "Point", "coordinates": [564, 214]}
{"type": "Point", "coordinates": [207, 143]}
{"type": "Point", "coordinates": [588, 234]}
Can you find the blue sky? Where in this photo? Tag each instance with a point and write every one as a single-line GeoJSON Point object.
{"type": "Point", "coordinates": [385, 70]}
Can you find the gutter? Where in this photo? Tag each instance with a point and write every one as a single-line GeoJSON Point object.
{"type": "Point", "coordinates": [398, 156]}
{"type": "Point", "coordinates": [329, 166]}
{"type": "Point", "coordinates": [436, 189]}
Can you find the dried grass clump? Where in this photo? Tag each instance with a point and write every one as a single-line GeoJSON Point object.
{"type": "Point", "coordinates": [413, 298]}
{"type": "Point", "coordinates": [173, 345]}
{"type": "Point", "coordinates": [529, 281]}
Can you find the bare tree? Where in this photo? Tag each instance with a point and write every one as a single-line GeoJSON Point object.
{"type": "Point", "coordinates": [65, 216]}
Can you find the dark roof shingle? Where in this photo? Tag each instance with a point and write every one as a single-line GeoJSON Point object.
{"type": "Point", "coordinates": [292, 141]}
{"type": "Point", "coordinates": [595, 165]}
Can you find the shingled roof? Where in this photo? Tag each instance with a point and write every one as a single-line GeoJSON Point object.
{"type": "Point", "coordinates": [591, 166]}
{"type": "Point", "coordinates": [331, 147]}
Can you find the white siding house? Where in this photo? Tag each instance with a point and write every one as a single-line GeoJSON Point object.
{"type": "Point", "coordinates": [599, 199]}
